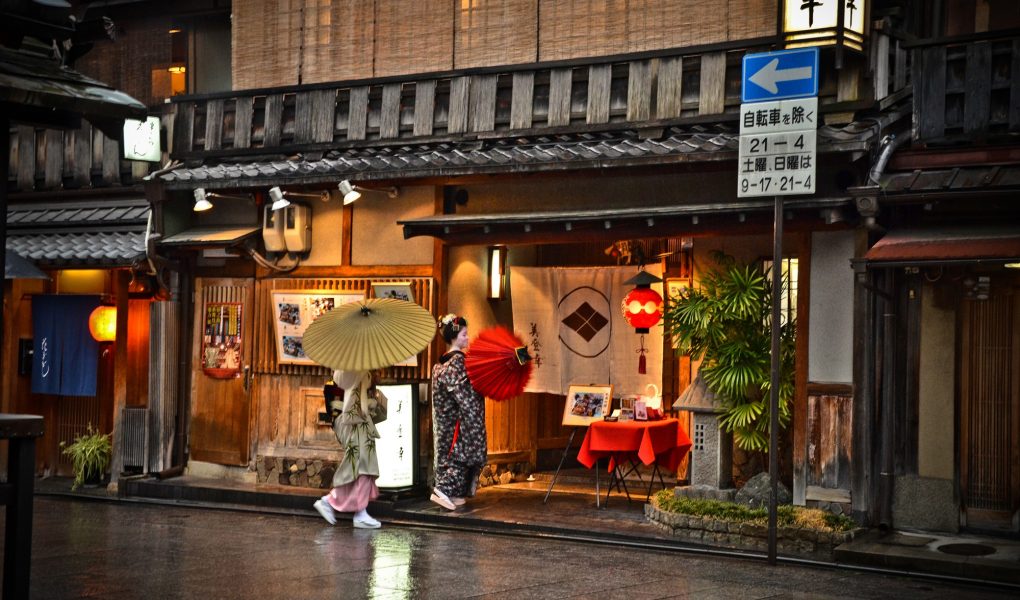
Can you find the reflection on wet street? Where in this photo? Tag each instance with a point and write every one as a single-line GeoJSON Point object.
{"type": "Point", "coordinates": [117, 550]}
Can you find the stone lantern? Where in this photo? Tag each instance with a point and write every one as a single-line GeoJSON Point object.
{"type": "Point", "coordinates": [711, 458]}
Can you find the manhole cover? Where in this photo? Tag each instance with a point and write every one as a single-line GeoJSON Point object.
{"type": "Point", "coordinates": [966, 549]}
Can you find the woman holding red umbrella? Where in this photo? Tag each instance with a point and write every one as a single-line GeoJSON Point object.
{"type": "Point", "coordinates": [458, 420]}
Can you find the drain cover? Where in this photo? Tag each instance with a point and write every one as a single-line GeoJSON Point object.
{"type": "Point", "coordinates": [966, 549]}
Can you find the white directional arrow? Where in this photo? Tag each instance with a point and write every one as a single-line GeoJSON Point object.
{"type": "Point", "coordinates": [768, 76]}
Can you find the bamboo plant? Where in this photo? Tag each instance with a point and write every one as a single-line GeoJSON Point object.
{"type": "Point", "coordinates": [726, 322]}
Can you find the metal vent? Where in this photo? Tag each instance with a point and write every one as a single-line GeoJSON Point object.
{"type": "Point", "coordinates": [135, 445]}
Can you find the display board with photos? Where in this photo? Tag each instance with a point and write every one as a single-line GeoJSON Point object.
{"type": "Point", "coordinates": [293, 311]}
{"type": "Point", "coordinates": [398, 290]}
{"type": "Point", "coordinates": [587, 403]}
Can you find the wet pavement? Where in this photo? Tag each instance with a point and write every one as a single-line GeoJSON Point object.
{"type": "Point", "coordinates": [89, 549]}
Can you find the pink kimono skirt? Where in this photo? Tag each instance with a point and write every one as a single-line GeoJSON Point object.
{"type": "Point", "coordinates": [354, 496]}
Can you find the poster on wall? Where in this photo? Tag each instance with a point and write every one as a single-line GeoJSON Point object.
{"type": "Point", "coordinates": [221, 340]}
{"type": "Point", "coordinates": [293, 311]}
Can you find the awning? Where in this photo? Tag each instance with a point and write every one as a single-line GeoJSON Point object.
{"type": "Point", "coordinates": [36, 88]}
{"type": "Point", "coordinates": [17, 266]}
{"type": "Point", "coordinates": [106, 233]}
{"type": "Point", "coordinates": [947, 245]}
{"type": "Point", "coordinates": [617, 223]}
{"type": "Point", "coordinates": [227, 235]}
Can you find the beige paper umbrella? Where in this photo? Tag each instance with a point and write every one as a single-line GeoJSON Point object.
{"type": "Point", "coordinates": [370, 334]}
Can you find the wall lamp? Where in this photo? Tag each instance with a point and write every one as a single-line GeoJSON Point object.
{"type": "Point", "coordinates": [497, 273]}
{"type": "Point", "coordinates": [202, 199]}
{"type": "Point", "coordinates": [280, 198]}
{"type": "Point", "coordinates": [352, 192]}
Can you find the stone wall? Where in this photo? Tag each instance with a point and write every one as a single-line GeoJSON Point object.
{"type": "Point", "coordinates": [497, 474]}
{"type": "Point", "coordinates": [748, 536]}
{"type": "Point", "coordinates": [275, 470]}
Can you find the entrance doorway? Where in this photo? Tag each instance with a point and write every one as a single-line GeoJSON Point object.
{"type": "Point", "coordinates": [990, 406]}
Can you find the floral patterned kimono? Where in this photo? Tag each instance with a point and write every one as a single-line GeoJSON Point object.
{"type": "Point", "coordinates": [458, 424]}
{"type": "Point", "coordinates": [362, 407]}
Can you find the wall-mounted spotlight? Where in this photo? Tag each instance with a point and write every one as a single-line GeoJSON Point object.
{"type": "Point", "coordinates": [202, 197]}
{"type": "Point", "coordinates": [352, 192]}
{"type": "Point", "coordinates": [281, 198]}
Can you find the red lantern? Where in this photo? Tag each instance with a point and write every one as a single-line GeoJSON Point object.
{"type": "Point", "coordinates": [642, 307]}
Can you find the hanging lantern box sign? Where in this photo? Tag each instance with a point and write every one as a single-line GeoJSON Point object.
{"type": "Point", "coordinates": [221, 340]}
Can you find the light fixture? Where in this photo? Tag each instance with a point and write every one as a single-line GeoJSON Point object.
{"type": "Point", "coordinates": [839, 24]}
{"type": "Point", "coordinates": [202, 197]}
{"type": "Point", "coordinates": [281, 199]}
{"type": "Point", "coordinates": [1012, 265]}
{"type": "Point", "coordinates": [497, 273]}
{"type": "Point", "coordinates": [178, 49]}
{"type": "Point", "coordinates": [352, 192]}
{"type": "Point", "coordinates": [103, 324]}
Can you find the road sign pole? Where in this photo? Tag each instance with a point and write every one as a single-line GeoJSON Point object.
{"type": "Point", "coordinates": [777, 296]}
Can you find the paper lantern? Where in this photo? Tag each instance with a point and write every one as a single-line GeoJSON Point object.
{"type": "Point", "coordinates": [642, 307]}
{"type": "Point", "coordinates": [103, 324]}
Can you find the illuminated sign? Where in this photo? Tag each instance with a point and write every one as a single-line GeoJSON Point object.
{"type": "Point", "coordinates": [824, 23]}
{"type": "Point", "coordinates": [396, 445]}
{"type": "Point", "coordinates": [141, 139]}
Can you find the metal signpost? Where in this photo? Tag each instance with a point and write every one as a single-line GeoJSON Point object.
{"type": "Point", "coordinates": [778, 129]}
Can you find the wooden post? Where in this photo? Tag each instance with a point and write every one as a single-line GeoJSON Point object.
{"type": "Point", "coordinates": [120, 368]}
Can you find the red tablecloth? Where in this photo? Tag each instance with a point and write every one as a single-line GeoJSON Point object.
{"type": "Point", "coordinates": [661, 442]}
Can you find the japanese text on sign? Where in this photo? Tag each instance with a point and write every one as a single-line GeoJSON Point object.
{"type": "Point", "coordinates": [776, 163]}
{"type": "Point", "coordinates": [779, 115]}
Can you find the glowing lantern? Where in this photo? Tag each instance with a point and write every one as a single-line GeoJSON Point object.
{"type": "Point", "coordinates": [642, 307]}
{"type": "Point", "coordinates": [103, 324]}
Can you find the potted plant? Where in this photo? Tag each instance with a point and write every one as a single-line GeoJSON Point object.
{"type": "Point", "coordinates": [90, 456]}
{"type": "Point", "coordinates": [726, 322]}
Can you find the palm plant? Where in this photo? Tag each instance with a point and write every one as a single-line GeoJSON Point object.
{"type": "Point", "coordinates": [726, 322]}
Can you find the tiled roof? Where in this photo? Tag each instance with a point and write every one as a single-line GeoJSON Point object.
{"type": "Point", "coordinates": [99, 232]}
{"type": "Point", "coordinates": [95, 248]}
{"type": "Point", "coordinates": [534, 153]}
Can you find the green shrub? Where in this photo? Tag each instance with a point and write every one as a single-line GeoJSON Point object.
{"type": "Point", "coordinates": [786, 515]}
{"type": "Point", "coordinates": [90, 455]}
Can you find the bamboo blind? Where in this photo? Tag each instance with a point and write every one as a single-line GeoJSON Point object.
{"type": "Point", "coordinates": [266, 42]}
{"type": "Point", "coordinates": [413, 36]}
{"type": "Point", "coordinates": [265, 359]}
{"type": "Point", "coordinates": [495, 33]}
{"type": "Point", "coordinates": [338, 40]}
{"type": "Point", "coordinates": [579, 28]}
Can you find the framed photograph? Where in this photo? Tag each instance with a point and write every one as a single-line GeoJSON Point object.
{"type": "Point", "coordinates": [627, 408]}
{"type": "Point", "coordinates": [676, 286]}
{"type": "Point", "coordinates": [293, 311]}
{"type": "Point", "coordinates": [401, 290]}
{"type": "Point", "coordinates": [640, 411]}
{"type": "Point", "coordinates": [587, 403]}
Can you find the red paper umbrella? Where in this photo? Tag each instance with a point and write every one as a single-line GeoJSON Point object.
{"type": "Point", "coordinates": [498, 364]}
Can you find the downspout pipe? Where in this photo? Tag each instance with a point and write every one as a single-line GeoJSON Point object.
{"type": "Point", "coordinates": [890, 143]}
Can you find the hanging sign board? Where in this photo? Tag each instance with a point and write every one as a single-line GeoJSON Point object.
{"type": "Point", "coordinates": [221, 340]}
{"type": "Point", "coordinates": [396, 445]}
{"type": "Point", "coordinates": [141, 139]}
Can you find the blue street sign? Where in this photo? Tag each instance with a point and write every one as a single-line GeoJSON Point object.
{"type": "Point", "coordinates": [782, 74]}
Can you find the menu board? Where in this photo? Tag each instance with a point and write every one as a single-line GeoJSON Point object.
{"type": "Point", "coordinates": [293, 311]}
{"type": "Point", "coordinates": [396, 444]}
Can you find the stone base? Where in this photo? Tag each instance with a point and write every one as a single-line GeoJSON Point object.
{"type": "Point", "coordinates": [497, 474]}
{"type": "Point", "coordinates": [748, 536]}
{"type": "Point", "coordinates": [298, 472]}
{"type": "Point", "coordinates": [705, 492]}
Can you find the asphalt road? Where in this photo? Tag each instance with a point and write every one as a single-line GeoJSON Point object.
{"type": "Point", "coordinates": [88, 549]}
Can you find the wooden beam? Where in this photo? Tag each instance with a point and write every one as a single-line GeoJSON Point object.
{"type": "Point", "coordinates": [213, 124]}
{"type": "Point", "coordinates": [424, 107]}
{"type": "Point", "coordinates": [81, 165]}
{"type": "Point", "coordinates": [978, 94]}
{"type": "Point", "coordinates": [457, 117]}
{"type": "Point", "coordinates": [522, 100]}
{"type": "Point", "coordinates": [53, 166]}
{"type": "Point", "coordinates": [357, 122]}
{"type": "Point", "coordinates": [184, 127]}
{"type": "Point", "coordinates": [121, 279]}
{"type": "Point", "coordinates": [243, 112]}
{"type": "Point", "coordinates": [669, 97]}
{"type": "Point", "coordinates": [600, 80]}
{"type": "Point", "coordinates": [560, 85]}
{"type": "Point", "coordinates": [712, 99]}
{"type": "Point", "coordinates": [26, 158]}
{"type": "Point", "coordinates": [111, 160]}
{"type": "Point", "coordinates": [483, 102]}
{"type": "Point", "coordinates": [639, 90]}
{"type": "Point", "coordinates": [929, 79]}
{"type": "Point", "coordinates": [272, 122]}
{"type": "Point", "coordinates": [802, 250]}
{"type": "Point", "coordinates": [389, 113]}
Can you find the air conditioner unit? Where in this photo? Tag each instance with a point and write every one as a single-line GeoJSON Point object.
{"type": "Point", "coordinates": [272, 230]}
{"type": "Point", "coordinates": [297, 228]}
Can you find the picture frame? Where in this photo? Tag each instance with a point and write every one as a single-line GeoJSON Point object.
{"type": "Point", "coordinates": [587, 403]}
{"type": "Point", "coordinates": [676, 286]}
{"type": "Point", "coordinates": [293, 311]}
{"type": "Point", "coordinates": [640, 411]}
{"type": "Point", "coordinates": [627, 408]}
{"type": "Point", "coordinates": [401, 290]}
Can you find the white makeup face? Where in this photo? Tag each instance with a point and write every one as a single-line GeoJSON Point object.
{"type": "Point", "coordinates": [461, 341]}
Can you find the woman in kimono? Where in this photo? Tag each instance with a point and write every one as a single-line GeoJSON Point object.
{"type": "Point", "coordinates": [354, 422]}
{"type": "Point", "coordinates": [458, 420]}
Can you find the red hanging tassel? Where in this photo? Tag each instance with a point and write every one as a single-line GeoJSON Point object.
{"type": "Point", "coordinates": [642, 367]}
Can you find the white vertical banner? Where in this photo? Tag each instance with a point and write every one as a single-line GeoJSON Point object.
{"type": "Point", "coordinates": [572, 320]}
